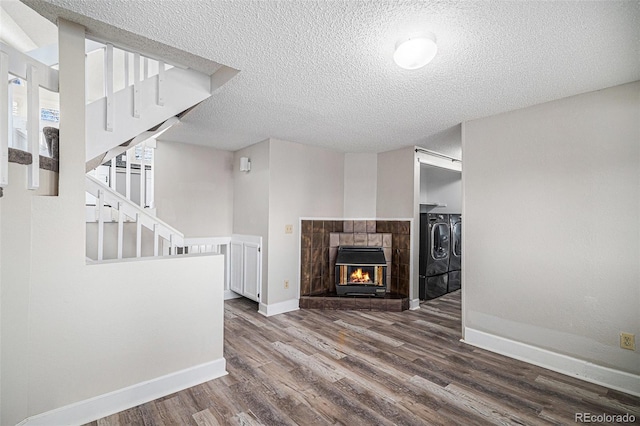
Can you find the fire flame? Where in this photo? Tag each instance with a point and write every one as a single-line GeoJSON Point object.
{"type": "Point", "coordinates": [358, 276]}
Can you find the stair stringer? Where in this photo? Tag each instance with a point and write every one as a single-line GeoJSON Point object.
{"type": "Point", "coordinates": [122, 148]}
{"type": "Point", "coordinates": [182, 89]}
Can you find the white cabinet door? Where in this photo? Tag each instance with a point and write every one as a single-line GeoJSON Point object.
{"type": "Point", "coordinates": [236, 266]}
{"type": "Point", "coordinates": [251, 270]}
{"type": "Point", "coordinates": [246, 266]}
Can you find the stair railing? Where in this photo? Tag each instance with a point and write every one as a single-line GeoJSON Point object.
{"type": "Point", "coordinates": [167, 240]}
{"type": "Point", "coordinates": [112, 207]}
{"type": "Point", "coordinates": [119, 69]}
{"type": "Point", "coordinates": [17, 65]}
{"type": "Point", "coordinates": [206, 245]}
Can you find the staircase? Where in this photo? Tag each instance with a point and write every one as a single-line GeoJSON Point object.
{"type": "Point", "coordinates": [113, 207]}
{"type": "Point", "coordinates": [152, 97]}
{"type": "Point", "coordinates": [131, 100]}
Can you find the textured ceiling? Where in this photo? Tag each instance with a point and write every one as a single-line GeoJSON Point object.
{"type": "Point", "coordinates": [321, 72]}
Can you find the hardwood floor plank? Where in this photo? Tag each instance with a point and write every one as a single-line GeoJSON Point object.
{"type": "Point", "coordinates": [312, 363]}
{"type": "Point", "coordinates": [245, 419]}
{"type": "Point", "coordinates": [113, 420]}
{"type": "Point", "coordinates": [592, 397]}
{"type": "Point", "coordinates": [150, 414]}
{"type": "Point", "coordinates": [370, 334]}
{"type": "Point", "coordinates": [205, 418]}
{"type": "Point", "coordinates": [314, 367]}
{"type": "Point", "coordinates": [176, 410]}
{"type": "Point", "coordinates": [345, 406]}
{"type": "Point", "coordinates": [516, 414]}
{"type": "Point", "coordinates": [262, 406]}
{"type": "Point", "coordinates": [315, 340]}
{"type": "Point", "coordinates": [222, 404]}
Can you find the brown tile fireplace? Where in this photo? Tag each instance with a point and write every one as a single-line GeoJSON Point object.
{"type": "Point", "coordinates": [319, 274]}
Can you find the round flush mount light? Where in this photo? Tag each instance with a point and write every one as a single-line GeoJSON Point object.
{"type": "Point", "coordinates": [415, 52]}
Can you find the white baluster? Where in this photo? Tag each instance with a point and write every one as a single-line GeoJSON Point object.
{"type": "Point", "coordinates": [120, 230]}
{"type": "Point", "coordinates": [143, 179]}
{"type": "Point", "coordinates": [33, 125]}
{"type": "Point", "coordinates": [172, 245]}
{"type": "Point", "coordinates": [138, 236]}
{"type": "Point", "coordinates": [145, 71]}
{"type": "Point", "coordinates": [156, 239]}
{"type": "Point", "coordinates": [126, 69]}
{"type": "Point", "coordinates": [5, 110]}
{"type": "Point", "coordinates": [108, 86]}
{"type": "Point", "coordinates": [112, 174]}
{"type": "Point", "coordinates": [130, 155]}
{"type": "Point", "coordinates": [136, 85]}
{"type": "Point", "coordinates": [150, 187]}
{"type": "Point", "coordinates": [100, 204]}
{"type": "Point", "coordinates": [160, 100]}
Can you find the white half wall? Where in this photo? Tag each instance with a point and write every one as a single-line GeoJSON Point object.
{"type": "Point", "coordinates": [194, 188]}
{"type": "Point", "coordinates": [551, 231]}
{"type": "Point", "coordinates": [15, 223]}
{"type": "Point", "coordinates": [360, 184]}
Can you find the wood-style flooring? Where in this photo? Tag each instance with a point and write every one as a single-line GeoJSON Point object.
{"type": "Point", "coordinates": [313, 367]}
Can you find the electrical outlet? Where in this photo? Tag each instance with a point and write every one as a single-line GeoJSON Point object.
{"type": "Point", "coordinates": [288, 229]}
{"type": "Point", "coordinates": [286, 283]}
{"type": "Point", "coordinates": [628, 341]}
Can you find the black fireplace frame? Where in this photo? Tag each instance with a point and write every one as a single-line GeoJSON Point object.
{"type": "Point", "coordinates": [367, 257]}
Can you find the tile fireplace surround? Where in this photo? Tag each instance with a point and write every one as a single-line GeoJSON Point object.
{"type": "Point", "coordinates": [319, 244]}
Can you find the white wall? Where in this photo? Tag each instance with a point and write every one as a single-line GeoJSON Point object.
{"type": "Point", "coordinates": [72, 331]}
{"type": "Point", "coordinates": [360, 184]}
{"type": "Point", "coordinates": [551, 228]}
{"type": "Point", "coordinates": [194, 188]}
{"type": "Point", "coordinates": [398, 197]}
{"type": "Point", "coordinates": [305, 182]}
{"type": "Point", "coordinates": [395, 184]}
{"type": "Point", "coordinates": [1, 299]}
{"type": "Point", "coordinates": [14, 297]}
{"type": "Point", "coordinates": [443, 186]}
{"type": "Point", "coordinates": [251, 200]}
{"type": "Point", "coordinates": [447, 142]}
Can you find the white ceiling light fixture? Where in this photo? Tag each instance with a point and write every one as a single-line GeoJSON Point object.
{"type": "Point", "coordinates": [415, 52]}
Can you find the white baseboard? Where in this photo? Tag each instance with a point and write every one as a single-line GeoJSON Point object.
{"type": "Point", "coordinates": [279, 308]}
{"type": "Point", "coordinates": [581, 369]}
{"type": "Point", "coordinates": [113, 402]}
{"type": "Point", "coordinates": [414, 304]}
{"type": "Point", "coordinates": [228, 294]}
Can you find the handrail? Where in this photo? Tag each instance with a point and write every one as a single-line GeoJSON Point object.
{"type": "Point", "coordinates": [19, 64]}
{"type": "Point", "coordinates": [206, 240]}
{"type": "Point", "coordinates": [205, 244]}
{"type": "Point", "coordinates": [130, 209]}
{"type": "Point", "coordinates": [107, 197]}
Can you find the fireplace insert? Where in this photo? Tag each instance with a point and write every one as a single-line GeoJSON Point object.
{"type": "Point", "coordinates": [361, 271]}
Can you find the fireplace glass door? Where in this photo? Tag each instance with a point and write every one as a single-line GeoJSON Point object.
{"type": "Point", "coordinates": [358, 274]}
